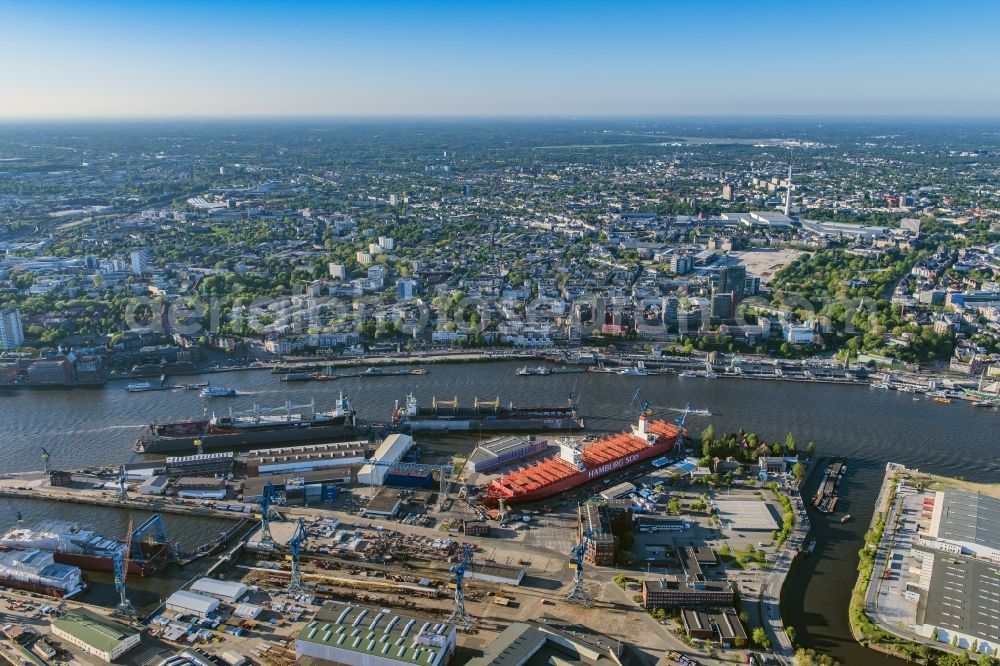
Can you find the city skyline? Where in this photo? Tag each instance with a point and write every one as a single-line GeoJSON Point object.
{"type": "Point", "coordinates": [443, 59]}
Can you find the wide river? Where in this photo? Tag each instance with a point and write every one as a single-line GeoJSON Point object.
{"type": "Point", "coordinates": [867, 427]}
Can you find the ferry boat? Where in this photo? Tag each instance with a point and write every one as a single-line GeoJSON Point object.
{"type": "Point", "coordinates": [258, 428]}
{"type": "Point", "coordinates": [638, 371]}
{"type": "Point", "coordinates": [580, 462]}
{"type": "Point", "coordinates": [942, 400]}
{"type": "Point", "coordinates": [537, 371]}
{"type": "Point", "coordinates": [217, 392]}
{"type": "Point", "coordinates": [139, 387]}
{"type": "Point", "coordinates": [484, 416]}
{"type": "Point", "coordinates": [688, 373]}
{"type": "Point", "coordinates": [882, 386]}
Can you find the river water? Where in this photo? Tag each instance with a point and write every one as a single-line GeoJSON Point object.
{"type": "Point", "coordinates": [84, 427]}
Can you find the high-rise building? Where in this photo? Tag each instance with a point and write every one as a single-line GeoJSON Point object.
{"type": "Point", "coordinates": [727, 191]}
{"type": "Point", "coordinates": [11, 330]}
{"type": "Point", "coordinates": [732, 279]}
{"type": "Point", "coordinates": [405, 289]}
{"type": "Point", "coordinates": [337, 271]}
{"type": "Point", "coordinates": [386, 243]}
{"type": "Point", "coordinates": [376, 273]}
{"type": "Point", "coordinates": [140, 261]}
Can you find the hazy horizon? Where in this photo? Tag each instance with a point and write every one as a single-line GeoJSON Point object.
{"type": "Point", "coordinates": [229, 60]}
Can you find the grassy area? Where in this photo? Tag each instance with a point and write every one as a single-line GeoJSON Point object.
{"type": "Point", "coordinates": [787, 516]}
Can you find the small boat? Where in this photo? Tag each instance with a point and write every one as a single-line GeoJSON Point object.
{"type": "Point", "coordinates": [217, 392]}
{"type": "Point", "coordinates": [710, 375]}
{"type": "Point", "coordinates": [845, 518]}
{"type": "Point", "coordinates": [689, 373]}
{"type": "Point", "coordinates": [295, 377]}
{"type": "Point", "coordinates": [139, 387]}
{"type": "Point", "coordinates": [880, 385]}
{"type": "Point", "coordinates": [638, 371]}
{"type": "Point", "coordinates": [989, 404]}
{"type": "Point", "coordinates": [537, 371]}
{"type": "Point", "coordinates": [943, 401]}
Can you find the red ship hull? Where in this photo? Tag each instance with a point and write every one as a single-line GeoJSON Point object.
{"type": "Point", "coordinates": [554, 476]}
{"type": "Point", "coordinates": [97, 563]}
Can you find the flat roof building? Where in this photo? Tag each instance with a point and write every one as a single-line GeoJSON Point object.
{"type": "Point", "coordinates": [663, 593]}
{"type": "Point", "coordinates": [962, 602]}
{"type": "Point", "coordinates": [305, 458]}
{"type": "Point", "coordinates": [95, 634]}
{"type": "Point", "coordinates": [970, 521]}
{"type": "Point", "coordinates": [721, 625]}
{"type": "Point", "coordinates": [391, 450]}
{"type": "Point", "coordinates": [369, 636]}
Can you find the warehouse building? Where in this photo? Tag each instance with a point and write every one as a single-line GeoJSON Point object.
{"type": "Point", "coordinates": [549, 641]}
{"type": "Point", "coordinates": [95, 634]}
{"type": "Point", "coordinates": [391, 450]}
{"type": "Point", "coordinates": [225, 591]}
{"type": "Point", "coordinates": [961, 602]}
{"type": "Point", "coordinates": [202, 464]}
{"type": "Point", "coordinates": [308, 458]}
{"type": "Point", "coordinates": [500, 451]}
{"type": "Point", "coordinates": [192, 603]}
{"type": "Point", "coordinates": [154, 485]}
{"type": "Point", "coordinates": [199, 487]}
{"type": "Point", "coordinates": [368, 636]}
{"type": "Point", "coordinates": [663, 593]}
{"type": "Point", "coordinates": [970, 522]}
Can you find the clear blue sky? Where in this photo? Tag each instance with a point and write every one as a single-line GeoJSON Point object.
{"type": "Point", "coordinates": [163, 58]}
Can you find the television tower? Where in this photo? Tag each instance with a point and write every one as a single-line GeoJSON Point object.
{"type": "Point", "coordinates": [788, 193]}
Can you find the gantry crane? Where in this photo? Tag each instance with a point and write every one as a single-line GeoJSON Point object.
{"type": "Point", "coordinates": [579, 593]}
{"type": "Point", "coordinates": [45, 459]}
{"type": "Point", "coordinates": [294, 546]}
{"type": "Point", "coordinates": [459, 617]}
{"type": "Point", "coordinates": [123, 558]}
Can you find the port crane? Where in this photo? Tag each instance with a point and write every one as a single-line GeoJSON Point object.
{"type": "Point", "coordinates": [122, 489]}
{"type": "Point", "coordinates": [153, 532]}
{"type": "Point", "coordinates": [266, 540]}
{"type": "Point", "coordinates": [45, 459]}
{"type": "Point", "coordinates": [459, 616]}
{"type": "Point", "coordinates": [294, 546]}
{"type": "Point", "coordinates": [123, 557]}
{"type": "Point", "coordinates": [579, 593]}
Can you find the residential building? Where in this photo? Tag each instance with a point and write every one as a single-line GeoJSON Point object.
{"type": "Point", "coordinates": [337, 271]}
{"type": "Point", "coordinates": [140, 261]}
{"type": "Point", "coordinates": [11, 330]}
{"type": "Point", "coordinates": [406, 289]}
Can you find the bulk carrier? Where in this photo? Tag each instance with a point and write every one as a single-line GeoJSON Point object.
{"type": "Point", "coordinates": [36, 571]}
{"type": "Point", "coordinates": [258, 428]}
{"type": "Point", "coordinates": [484, 416]}
{"type": "Point", "coordinates": [580, 462]}
{"type": "Point", "coordinates": [78, 545]}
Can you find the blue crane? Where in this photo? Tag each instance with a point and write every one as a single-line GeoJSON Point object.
{"type": "Point", "coordinates": [266, 540]}
{"type": "Point", "coordinates": [123, 557]}
{"type": "Point", "coordinates": [152, 532]}
{"type": "Point", "coordinates": [294, 546]}
{"type": "Point", "coordinates": [459, 616]}
{"type": "Point", "coordinates": [579, 593]}
{"type": "Point", "coordinates": [122, 489]}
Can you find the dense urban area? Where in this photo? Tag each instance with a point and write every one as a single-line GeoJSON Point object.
{"type": "Point", "coordinates": [146, 257]}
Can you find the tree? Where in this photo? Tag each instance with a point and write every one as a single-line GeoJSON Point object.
{"type": "Point", "coordinates": [790, 444]}
{"type": "Point", "coordinates": [674, 506]}
{"type": "Point", "coordinates": [708, 435]}
{"type": "Point", "coordinates": [760, 638]}
{"type": "Point", "coordinates": [810, 449]}
{"type": "Point", "coordinates": [798, 471]}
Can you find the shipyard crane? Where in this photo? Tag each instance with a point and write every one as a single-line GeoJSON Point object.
{"type": "Point", "coordinates": [579, 593]}
{"type": "Point", "coordinates": [45, 459]}
{"type": "Point", "coordinates": [123, 557]}
{"type": "Point", "coordinates": [459, 616]}
{"type": "Point", "coordinates": [295, 545]}
{"type": "Point", "coordinates": [122, 490]}
{"type": "Point", "coordinates": [266, 540]}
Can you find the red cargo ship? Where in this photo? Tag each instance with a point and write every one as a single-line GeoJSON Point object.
{"type": "Point", "coordinates": [579, 462]}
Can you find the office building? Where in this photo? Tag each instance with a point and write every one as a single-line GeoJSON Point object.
{"type": "Point", "coordinates": [732, 280]}
{"type": "Point", "coordinates": [11, 330]}
{"type": "Point", "coordinates": [140, 261]}
{"type": "Point", "coordinates": [662, 593]}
